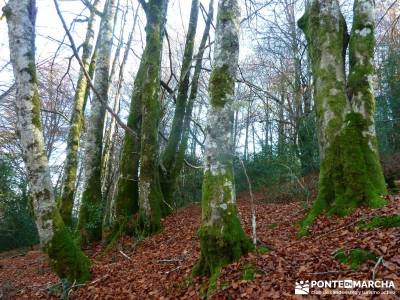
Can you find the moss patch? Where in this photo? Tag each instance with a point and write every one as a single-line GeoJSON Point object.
{"type": "Point", "coordinates": [221, 86]}
{"type": "Point", "coordinates": [355, 257]}
{"type": "Point", "coordinates": [66, 259]}
{"type": "Point", "coordinates": [249, 272]}
{"type": "Point", "coordinates": [381, 222]}
{"type": "Point", "coordinates": [263, 250]}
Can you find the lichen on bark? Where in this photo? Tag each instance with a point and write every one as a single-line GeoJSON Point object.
{"type": "Point", "coordinates": [71, 265]}
{"type": "Point", "coordinates": [74, 134]}
{"type": "Point", "coordinates": [222, 238]}
{"type": "Point", "coordinates": [90, 212]}
{"type": "Point", "coordinates": [350, 172]}
{"type": "Point", "coordinates": [150, 195]}
{"type": "Point", "coordinates": [168, 171]}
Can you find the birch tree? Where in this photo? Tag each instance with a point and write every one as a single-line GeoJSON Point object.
{"type": "Point", "coordinates": [350, 172]}
{"type": "Point", "coordinates": [90, 212]}
{"type": "Point", "coordinates": [74, 134]}
{"type": "Point", "coordinates": [222, 238]}
{"type": "Point", "coordinates": [66, 259]}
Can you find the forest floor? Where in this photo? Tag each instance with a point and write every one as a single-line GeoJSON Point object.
{"type": "Point", "coordinates": [159, 267]}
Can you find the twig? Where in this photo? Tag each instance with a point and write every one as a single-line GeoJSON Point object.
{"type": "Point", "coordinates": [253, 208]}
{"type": "Point", "coordinates": [173, 270]}
{"type": "Point", "coordinates": [343, 227]}
{"type": "Point", "coordinates": [88, 77]}
{"type": "Point", "coordinates": [174, 260]}
{"type": "Point", "coordinates": [327, 272]}
{"type": "Point", "coordinates": [380, 260]}
{"type": "Point", "coordinates": [124, 255]}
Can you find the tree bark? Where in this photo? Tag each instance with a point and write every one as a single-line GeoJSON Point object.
{"type": "Point", "coordinates": [193, 94]}
{"type": "Point", "coordinates": [167, 176]}
{"type": "Point", "coordinates": [66, 259]}
{"type": "Point", "coordinates": [74, 134]}
{"type": "Point", "coordinates": [90, 213]}
{"type": "Point", "coordinates": [350, 172]}
{"type": "Point", "coordinates": [222, 238]}
{"type": "Point", "coordinates": [150, 195]}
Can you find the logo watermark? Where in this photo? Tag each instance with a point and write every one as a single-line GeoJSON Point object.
{"type": "Point", "coordinates": [346, 286]}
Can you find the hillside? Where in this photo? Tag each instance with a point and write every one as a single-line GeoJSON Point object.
{"type": "Point", "coordinates": [158, 267]}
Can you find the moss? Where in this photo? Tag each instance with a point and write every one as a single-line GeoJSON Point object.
{"type": "Point", "coordinates": [381, 222]}
{"type": "Point", "coordinates": [350, 174]}
{"type": "Point", "coordinates": [90, 217]}
{"type": "Point", "coordinates": [224, 242]}
{"type": "Point", "coordinates": [221, 86]}
{"type": "Point", "coordinates": [263, 250]}
{"type": "Point", "coordinates": [36, 109]}
{"type": "Point", "coordinates": [66, 259]}
{"type": "Point", "coordinates": [272, 226]}
{"type": "Point", "coordinates": [355, 258]}
{"type": "Point", "coordinates": [350, 171]}
{"type": "Point", "coordinates": [248, 272]}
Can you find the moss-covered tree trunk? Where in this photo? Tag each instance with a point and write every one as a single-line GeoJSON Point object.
{"type": "Point", "coordinates": [350, 173]}
{"type": "Point", "coordinates": [127, 198]}
{"type": "Point", "coordinates": [74, 134]}
{"type": "Point", "coordinates": [150, 195]}
{"type": "Point", "coordinates": [90, 212]}
{"type": "Point", "coordinates": [66, 259]}
{"type": "Point", "coordinates": [192, 97]}
{"type": "Point", "coordinates": [167, 175]}
{"type": "Point", "coordinates": [222, 238]}
{"type": "Point", "coordinates": [113, 132]}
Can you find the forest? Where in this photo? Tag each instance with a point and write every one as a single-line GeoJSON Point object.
{"type": "Point", "coordinates": [200, 149]}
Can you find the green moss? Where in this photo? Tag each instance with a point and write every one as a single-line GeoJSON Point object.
{"type": "Point", "coordinates": [248, 272]}
{"type": "Point", "coordinates": [66, 259]}
{"type": "Point", "coordinates": [355, 258]}
{"type": "Point", "coordinates": [90, 218]}
{"type": "Point", "coordinates": [263, 250]}
{"type": "Point", "coordinates": [272, 226]}
{"type": "Point", "coordinates": [36, 109]}
{"type": "Point", "coordinates": [350, 174]}
{"type": "Point", "coordinates": [221, 85]}
{"type": "Point", "coordinates": [381, 222]}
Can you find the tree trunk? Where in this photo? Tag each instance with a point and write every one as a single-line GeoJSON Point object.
{"type": "Point", "coordinates": [193, 94]}
{"type": "Point", "coordinates": [74, 134]}
{"type": "Point", "coordinates": [150, 195]}
{"type": "Point", "coordinates": [167, 176]}
{"type": "Point", "coordinates": [90, 213]}
{"type": "Point", "coordinates": [222, 238]}
{"type": "Point", "coordinates": [350, 173]}
{"type": "Point", "coordinates": [66, 259]}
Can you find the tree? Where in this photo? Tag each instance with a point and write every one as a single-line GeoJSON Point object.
{"type": "Point", "coordinates": [66, 259]}
{"type": "Point", "coordinates": [167, 175]}
{"type": "Point", "coordinates": [74, 134]}
{"type": "Point", "coordinates": [350, 172]}
{"type": "Point", "coordinates": [222, 238]}
{"type": "Point", "coordinates": [150, 195]}
{"type": "Point", "coordinates": [90, 212]}
{"type": "Point", "coordinates": [147, 77]}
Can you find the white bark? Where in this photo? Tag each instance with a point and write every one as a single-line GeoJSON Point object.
{"type": "Point", "coordinates": [21, 31]}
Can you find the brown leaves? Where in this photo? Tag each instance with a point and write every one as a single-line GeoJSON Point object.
{"type": "Point", "coordinates": [160, 266]}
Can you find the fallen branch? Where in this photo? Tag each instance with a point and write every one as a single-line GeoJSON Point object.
{"type": "Point", "coordinates": [328, 272]}
{"type": "Point", "coordinates": [173, 270]}
{"type": "Point", "coordinates": [124, 255]}
{"type": "Point", "coordinates": [174, 260]}
{"type": "Point", "coordinates": [374, 270]}
{"type": "Point", "coordinates": [343, 227]}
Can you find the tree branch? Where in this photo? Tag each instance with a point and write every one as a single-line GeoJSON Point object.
{"type": "Point", "coordinates": [89, 79]}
